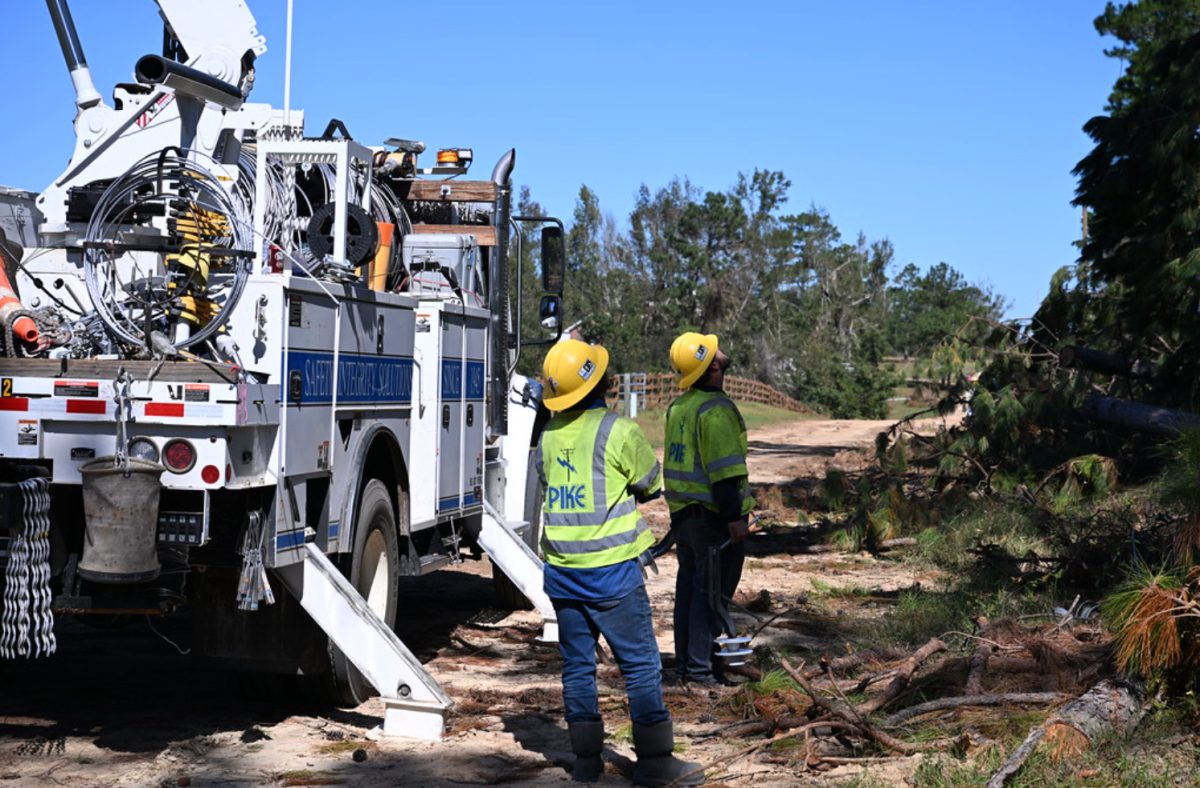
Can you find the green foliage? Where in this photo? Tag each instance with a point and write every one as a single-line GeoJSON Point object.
{"type": "Point", "coordinates": [922, 614]}
{"type": "Point", "coordinates": [833, 489]}
{"type": "Point", "coordinates": [795, 304]}
{"type": "Point", "coordinates": [925, 310]}
{"type": "Point", "coordinates": [1179, 490]}
{"type": "Point", "coordinates": [992, 526]}
{"type": "Point", "coordinates": [772, 682]}
{"type": "Point", "coordinates": [1142, 28]}
{"type": "Point", "coordinates": [1141, 183]}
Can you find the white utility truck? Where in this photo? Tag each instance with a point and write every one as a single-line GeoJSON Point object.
{"type": "Point", "coordinates": [260, 374]}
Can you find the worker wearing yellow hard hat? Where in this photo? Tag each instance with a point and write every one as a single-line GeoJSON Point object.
{"type": "Point", "coordinates": [691, 355]}
{"type": "Point", "coordinates": [596, 467]}
{"type": "Point", "coordinates": [708, 492]}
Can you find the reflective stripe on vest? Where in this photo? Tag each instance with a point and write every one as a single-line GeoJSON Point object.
{"type": "Point", "coordinates": [589, 514]}
{"type": "Point", "coordinates": [685, 478]}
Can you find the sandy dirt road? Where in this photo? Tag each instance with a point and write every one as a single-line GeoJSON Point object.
{"type": "Point", "coordinates": [125, 708]}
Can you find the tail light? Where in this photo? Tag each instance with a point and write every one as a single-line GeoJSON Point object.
{"type": "Point", "coordinates": [179, 456]}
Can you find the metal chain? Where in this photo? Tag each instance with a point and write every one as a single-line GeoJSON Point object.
{"type": "Point", "coordinates": [124, 401]}
{"type": "Point", "coordinates": [27, 627]}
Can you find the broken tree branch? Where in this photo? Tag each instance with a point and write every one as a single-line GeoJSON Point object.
{"type": "Point", "coordinates": [851, 715]}
{"type": "Point", "coordinates": [851, 661]}
{"type": "Point", "coordinates": [904, 673]}
{"type": "Point", "coordinates": [979, 661]}
{"type": "Point", "coordinates": [681, 779]}
{"type": "Point", "coordinates": [940, 704]}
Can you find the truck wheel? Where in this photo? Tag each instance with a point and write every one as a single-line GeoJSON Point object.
{"type": "Point", "coordinates": [507, 594]}
{"type": "Point", "coordinates": [374, 573]}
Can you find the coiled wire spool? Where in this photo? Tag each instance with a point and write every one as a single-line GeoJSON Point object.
{"type": "Point", "coordinates": [385, 207]}
{"type": "Point", "coordinates": [280, 196]}
{"type": "Point", "coordinates": [130, 295]}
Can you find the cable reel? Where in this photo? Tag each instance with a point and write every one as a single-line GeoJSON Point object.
{"type": "Point", "coordinates": [362, 236]}
{"type": "Point", "coordinates": [167, 253]}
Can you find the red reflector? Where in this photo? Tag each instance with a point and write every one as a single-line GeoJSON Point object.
{"type": "Point", "coordinates": [86, 406]}
{"type": "Point", "coordinates": [179, 456]}
{"type": "Point", "coordinates": [210, 474]}
{"type": "Point", "coordinates": [228, 471]}
{"type": "Point", "coordinates": [14, 403]}
{"type": "Point", "coordinates": [164, 409]}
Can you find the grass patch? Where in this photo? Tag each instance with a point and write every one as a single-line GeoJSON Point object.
{"type": "Point", "coordinates": [654, 422]}
{"type": "Point", "coordinates": [821, 588]}
{"type": "Point", "coordinates": [921, 615]}
{"type": "Point", "coordinates": [897, 410]}
{"type": "Point", "coordinates": [953, 544]}
{"type": "Point", "coordinates": [309, 777]}
{"type": "Point", "coordinates": [343, 747]}
{"type": "Point", "coordinates": [1118, 763]}
{"type": "Point", "coordinates": [773, 681]}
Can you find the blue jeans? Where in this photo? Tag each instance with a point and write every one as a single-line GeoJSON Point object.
{"type": "Point", "coordinates": [629, 630]}
{"type": "Point", "coordinates": [696, 624]}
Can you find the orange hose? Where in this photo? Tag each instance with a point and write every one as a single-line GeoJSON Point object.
{"type": "Point", "coordinates": [378, 270]}
{"type": "Point", "coordinates": [24, 327]}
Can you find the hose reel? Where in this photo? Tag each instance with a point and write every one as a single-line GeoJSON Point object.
{"type": "Point", "coordinates": [362, 236]}
{"type": "Point", "coordinates": [167, 253]}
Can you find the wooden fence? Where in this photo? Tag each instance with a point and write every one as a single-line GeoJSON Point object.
{"type": "Point", "coordinates": [656, 390]}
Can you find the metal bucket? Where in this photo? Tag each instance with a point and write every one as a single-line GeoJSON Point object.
{"type": "Point", "coordinates": [121, 539]}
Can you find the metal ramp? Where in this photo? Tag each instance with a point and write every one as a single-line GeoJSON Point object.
{"type": "Point", "coordinates": [509, 552]}
{"type": "Point", "coordinates": [415, 705]}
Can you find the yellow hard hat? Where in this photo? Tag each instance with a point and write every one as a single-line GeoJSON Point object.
{"type": "Point", "coordinates": [691, 353]}
{"type": "Point", "coordinates": [572, 369]}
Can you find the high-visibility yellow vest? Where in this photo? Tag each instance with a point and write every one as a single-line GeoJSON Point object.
{"type": "Point", "coordinates": [592, 463]}
{"type": "Point", "coordinates": [705, 443]}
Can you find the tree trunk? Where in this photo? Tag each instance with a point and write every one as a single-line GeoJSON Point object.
{"type": "Point", "coordinates": [1111, 706]}
{"type": "Point", "coordinates": [1110, 363]}
{"type": "Point", "coordinates": [1123, 413]}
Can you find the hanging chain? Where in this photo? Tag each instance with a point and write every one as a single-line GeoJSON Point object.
{"type": "Point", "coordinates": [124, 401]}
{"type": "Point", "coordinates": [27, 626]}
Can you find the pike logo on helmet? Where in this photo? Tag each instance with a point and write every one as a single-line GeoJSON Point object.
{"type": "Point", "coordinates": [587, 369]}
{"type": "Point", "coordinates": [701, 352]}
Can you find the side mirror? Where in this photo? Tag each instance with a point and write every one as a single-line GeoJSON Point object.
{"type": "Point", "coordinates": [554, 260]}
{"type": "Point", "coordinates": [549, 313]}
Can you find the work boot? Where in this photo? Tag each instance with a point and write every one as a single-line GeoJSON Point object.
{"type": "Point", "coordinates": [656, 766]}
{"type": "Point", "coordinates": [587, 742]}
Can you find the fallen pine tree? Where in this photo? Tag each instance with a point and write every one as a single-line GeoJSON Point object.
{"type": "Point", "coordinates": [1110, 706]}
{"type": "Point", "coordinates": [1005, 675]}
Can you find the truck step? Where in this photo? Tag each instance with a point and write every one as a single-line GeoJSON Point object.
{"type": "Point", "coordinates": [415, 703]}
{"type": "Point", "coordinates": [508, 551]}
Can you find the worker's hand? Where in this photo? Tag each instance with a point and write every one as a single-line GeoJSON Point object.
{"type": "Point", "coordinates": [739, 530]}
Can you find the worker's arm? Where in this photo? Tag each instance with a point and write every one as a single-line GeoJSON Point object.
{"type": "Point", "coordinates": [639, 464]}
{"type": "Point", "coordinates": [727, 495]}
{"type": "Point", "coordinates": [723, 454]}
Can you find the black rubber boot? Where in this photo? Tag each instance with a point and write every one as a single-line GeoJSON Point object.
{"type": "Point", "coordinates": [656, 766]}
{"type": "Point", "coordinates": [587, 742]}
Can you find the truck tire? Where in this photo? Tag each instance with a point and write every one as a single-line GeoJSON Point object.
{"type": "Point", "coordinates": [508, 596]}
{"type": "Point", "coordinates": [375, 573]}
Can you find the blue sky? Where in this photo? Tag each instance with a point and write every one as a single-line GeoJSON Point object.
{"type": "Point", "coordinates": [948, 127]}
